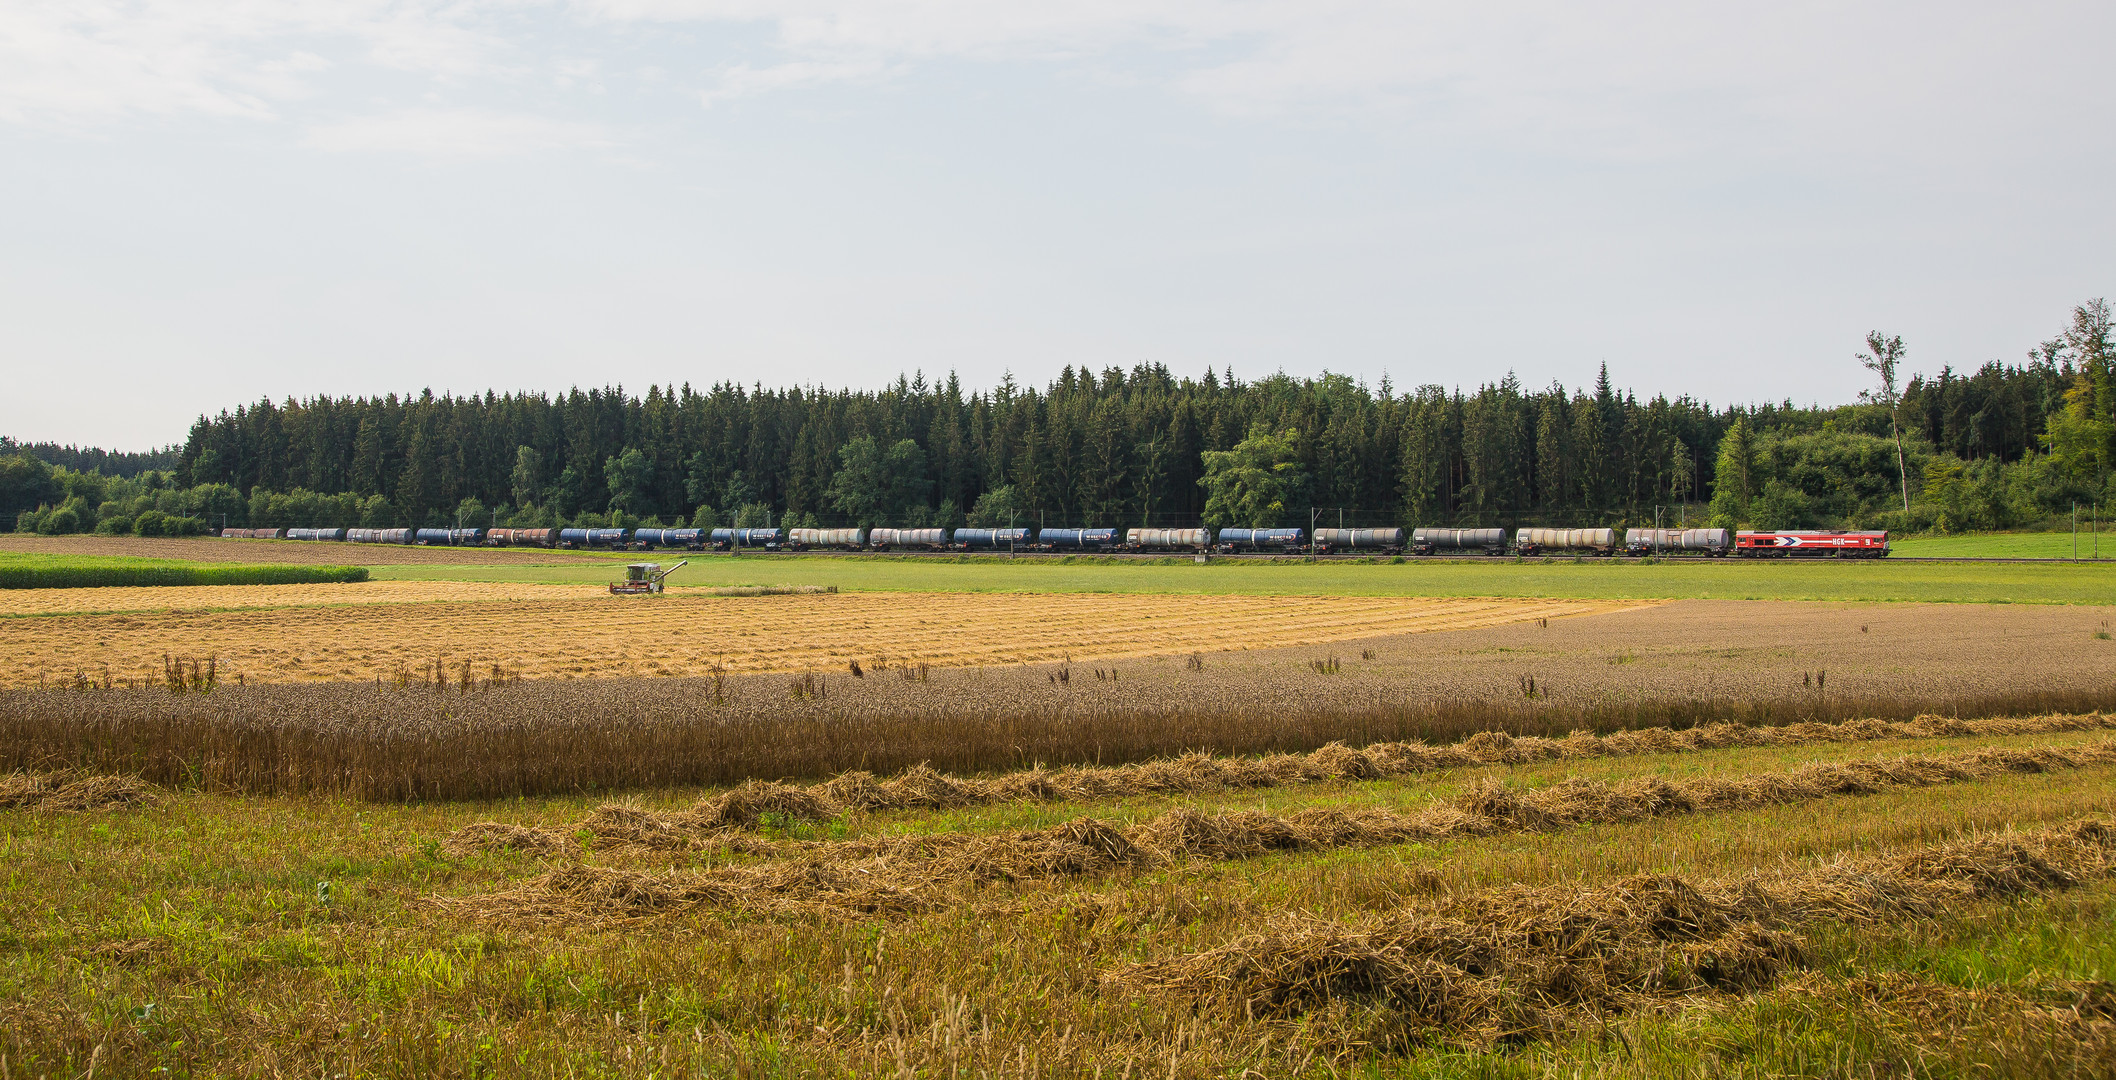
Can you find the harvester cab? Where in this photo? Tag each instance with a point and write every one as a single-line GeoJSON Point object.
{"type": "Point", "coordinates": [642, 578]}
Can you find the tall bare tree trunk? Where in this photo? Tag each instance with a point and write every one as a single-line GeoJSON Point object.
{"type": "Point", "coordinates": [1902, 471]}
{"type": "Point", "coordinates": [1884, 354]}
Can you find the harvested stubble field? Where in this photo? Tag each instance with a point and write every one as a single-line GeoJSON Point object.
{"type": "Point", "coordinates": [1598, 927]}
{"type": "Point", "coordinates": [534, 631]}
{"type": "Point", "coordinates": [216, 549]}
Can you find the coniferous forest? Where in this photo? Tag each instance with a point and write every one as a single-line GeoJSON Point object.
{"type": "Point", "coordinates": [2006, 445]}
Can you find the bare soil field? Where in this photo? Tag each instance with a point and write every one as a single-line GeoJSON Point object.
{"type": "Point", "coordinates": [674, 635]}
{"type": "Point", "coordinates": [216, 549]}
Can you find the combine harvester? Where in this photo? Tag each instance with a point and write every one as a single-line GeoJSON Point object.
{"type": "Point", "coordinates": [644, 578]}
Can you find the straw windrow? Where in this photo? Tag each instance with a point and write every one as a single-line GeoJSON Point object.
{"type": "Point", "coordinates": [1520, 963]}
{"type": "Point", "coordinates": [708, 822]}
{"type": "Point", "coordinates": [922, 788]}
{"type": "Point", "coordinates": [71, 792]}
{"type": "Point", "coordinates": [915, 865]}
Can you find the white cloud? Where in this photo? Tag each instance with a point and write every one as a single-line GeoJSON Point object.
{"type": "Point", "coordinates": [1645, 76]}
{"type": "Point", "coordinates": [743, 81]}
{"type": "Point", "coordinates": [944, 28]}
{"type": "Point", "coordinates": [462, 133]}
{"type": "Point", "coordinates": [1625, 78]}
{"type": "Point", "coordinates": [67, 63]}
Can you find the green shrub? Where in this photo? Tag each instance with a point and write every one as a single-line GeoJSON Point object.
{"type": "Point", "coordinates": [156, 523]}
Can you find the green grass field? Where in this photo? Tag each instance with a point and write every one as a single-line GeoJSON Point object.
{"type": "Point", "coordinates": [2016, 545]}
{"type": "Point", "coordinates": [1594, 578]}
{"type": "Point", "coordinates": [216, 935]}
{"type": "Point", "coordinates": [28, 571]}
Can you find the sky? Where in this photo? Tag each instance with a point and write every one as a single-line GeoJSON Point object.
{"type": "Point", "coordinates": [206, 203]}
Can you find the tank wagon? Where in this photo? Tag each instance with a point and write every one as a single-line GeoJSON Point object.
{"type": "Point", "coordinates": [379, 536]}
{"type": "Point", "coordinates": [578, 539]}
{"type": "Point", "coordinates": [1810, 544]}
{"type": "Point", "coordinates": [448, 537]}
{"type": "Point", "coordinates": [521, 537]}
{"type": "Point", "coordinates": [688, 539]}
{"type": "Point", "coordinates": [1430, 541]}
{"type": "Point", "coordinates": [992, 539]}
{"type": "Point", "coordinates": [1168, 540]}
{"type": "Point", "coordinates": [907, 539]}
{"type": "Point", "coordinates": [1385, 541]}
{"type": "Point", "coordinates": [1283, 541]}
{"type": "Point", "coordinates": [253, 534]}
{"type": "Point", "coordinates": [1077, 540]}
{"type": "Point", "coordinates": [1714, 543]}
{"type": "Point", "coordinates": [731, 539]}
{"type": "Point", "coordinates": [316, 534]}
{"type": "Point", "coordinates": [833, 539]}
{"type": "Point", "coordinates": [1537, 541]}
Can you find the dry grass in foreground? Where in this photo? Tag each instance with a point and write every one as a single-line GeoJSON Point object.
{"type": "Point", "coordinates": [299, 937]}
{"type": "Point", "coordinates": [1518, 964]}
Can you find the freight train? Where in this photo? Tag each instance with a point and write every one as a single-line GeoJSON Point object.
{"type": "Point", "coordinates": [1527, 542]}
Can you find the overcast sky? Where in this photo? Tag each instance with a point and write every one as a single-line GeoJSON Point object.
{"type": "Point", "coordinates": [205, 203]}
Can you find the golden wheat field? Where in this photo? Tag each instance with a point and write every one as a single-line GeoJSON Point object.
{"type": "Point", "coordinates": [164, 598]}
{"type": "Point", "coordinates": [541, 631]}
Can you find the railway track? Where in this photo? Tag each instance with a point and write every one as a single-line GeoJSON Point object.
{"type": "Point", "coordinates": [1356, 557]}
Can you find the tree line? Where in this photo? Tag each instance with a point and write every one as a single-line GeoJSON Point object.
{"type": "Point", "coordinates": [94, 459]}
{"type": "Point", "coordinates": [2005, 445]}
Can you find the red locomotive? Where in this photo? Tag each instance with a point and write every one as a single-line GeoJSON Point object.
{"type": "Point", "coordinates": [1811, 545]}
